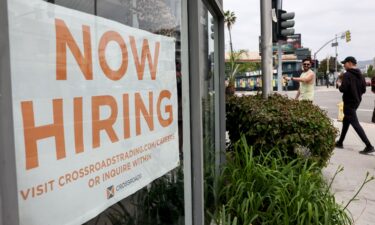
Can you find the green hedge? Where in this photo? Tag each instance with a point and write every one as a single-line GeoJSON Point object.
{"type": "Point", "coordinates": [279, 122]}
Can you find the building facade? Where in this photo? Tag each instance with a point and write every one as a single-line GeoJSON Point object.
{"type": "Point", "coordinates": [112, 111]}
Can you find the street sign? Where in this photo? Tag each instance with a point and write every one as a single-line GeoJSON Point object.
{"type": "Point", "coordinates": [335, 44]}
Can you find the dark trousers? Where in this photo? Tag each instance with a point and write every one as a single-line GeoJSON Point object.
{"type": "Point", "coordinates": [373, 116]}
{"type": "Point", "coordinates": [350, 118]}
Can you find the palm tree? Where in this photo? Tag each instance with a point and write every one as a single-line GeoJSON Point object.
{"type": "Point", "coordinates": [230, 19]}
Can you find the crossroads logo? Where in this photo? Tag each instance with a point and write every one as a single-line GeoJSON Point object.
{"type": "Point", "coordinates": [110, 192]}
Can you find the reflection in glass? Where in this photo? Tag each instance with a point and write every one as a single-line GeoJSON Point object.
{"type": "Point", "coordinates": [208, 115]}
{"type": "Point", "coordinates": [162, 201]}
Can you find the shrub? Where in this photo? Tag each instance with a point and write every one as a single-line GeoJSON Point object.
{"type": "Point", "coordinates": [278, 122]}
{"type": "Point", "coordinates": [269, 190]}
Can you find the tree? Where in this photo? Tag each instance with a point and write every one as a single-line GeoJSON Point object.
{"type": "Point", "coordinates": [370, 71]}
{"type": "Point", "coordinates": [331, 66]}
{"type": "Point", "coordinates": [230, 20]}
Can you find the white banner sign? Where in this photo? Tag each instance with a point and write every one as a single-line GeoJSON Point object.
{"type": "Point", "coordinates": [94, 107]}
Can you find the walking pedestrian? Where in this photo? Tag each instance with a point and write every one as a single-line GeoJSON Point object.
{"type": "Point", "coordinates": [306, 80]}
{"type": "Point", "coordinates": [353, 86]}
{"type": "Point", "coordinates": [373, 91]}
{"type": "Point", "coordinates": [326, 79]}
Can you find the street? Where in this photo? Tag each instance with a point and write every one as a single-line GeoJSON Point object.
{"type": "Point", "coordinates": [328, 98]}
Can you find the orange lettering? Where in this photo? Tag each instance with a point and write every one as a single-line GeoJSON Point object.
{"type": "Point", "coordinates": [25, 195]}
{"type": "Point", "coordinates": [32, 133]}
{"type": "Point", "coordinates": [107, 124]}
{"type": "Point", "coordinates": [104, 40]}
{"type": "Point", "coordinates": [65, 38]}
{"type": "Point", "coordinates": [140, 66]}
{"type": "Point", "coordinates": [140, 107]}
{"type": "Point", "coordinates": [78, 125]}
{"type": "Point", "coordinates": [168, 109]}
{"type": "Point", "coordinates": [125, 100]}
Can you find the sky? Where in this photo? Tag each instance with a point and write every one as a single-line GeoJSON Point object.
{"type": "Point", "coordinates": [316, 20]}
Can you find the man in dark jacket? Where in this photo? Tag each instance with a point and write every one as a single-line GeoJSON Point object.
{"type": "Point", "coordinates": [353, 86]}
{"type": "Point", "coordinates": [373, 91]}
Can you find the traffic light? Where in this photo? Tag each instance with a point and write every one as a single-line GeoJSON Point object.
{"type": "Point", "coordinates": [347, 36]}
{"type": "Point", "coordinates": [284, 24]}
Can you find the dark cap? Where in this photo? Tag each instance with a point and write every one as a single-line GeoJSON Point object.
{"type": "Point", "coordinates": [349, 59]}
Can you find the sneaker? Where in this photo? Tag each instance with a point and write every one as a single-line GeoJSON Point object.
{"type": "Point", "coordinates": [339, 145]}
{"type": "Point", "coordinates": [367, 150]}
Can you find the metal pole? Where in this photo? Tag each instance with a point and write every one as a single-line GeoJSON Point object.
{"type": "Point", "coordinates": [280, 61]}
{"type": "Point", "coordinates": [279, 67]}
{"type": "Point", "coordinates": [315, 63]}
{"type": "Point", "coordinates": [326, 45]}
{"type": "Point", "coordinates": [95, 8]}
{"type": "Point", "coordinates": [266, 45]}
{"type": "Point", "coordinates": [135, 17]}
{"type": "Point", "coordinates": [336, 56]}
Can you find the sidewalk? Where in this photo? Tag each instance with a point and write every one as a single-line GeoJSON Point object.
{"type": "Point", "coordinates": [349, 181]}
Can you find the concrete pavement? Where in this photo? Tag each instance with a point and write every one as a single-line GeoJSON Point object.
{"type": "Point", "coordinates": [349, 181]}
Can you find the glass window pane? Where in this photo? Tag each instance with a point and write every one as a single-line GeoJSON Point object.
{"type": "Point", "coordinates": [162, 201]}
{"type": "Point", "coordinates": [86, 6]}
{"type": "Point", "coordinates": [208, 113]}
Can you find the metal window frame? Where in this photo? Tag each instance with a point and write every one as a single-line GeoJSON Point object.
{"type": "Point", "coordinates": [8, 182]}
{"type": "Point", "coordinates": [188, 204]}
{"type": "Point", "coordinates": [195, 73]}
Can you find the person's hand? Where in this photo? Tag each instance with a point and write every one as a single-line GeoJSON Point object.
{"type": "Point", "coordinates": [287, 78]}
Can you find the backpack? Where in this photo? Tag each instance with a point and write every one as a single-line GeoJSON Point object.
{"type": "Point", "coordinates": [373, 84]}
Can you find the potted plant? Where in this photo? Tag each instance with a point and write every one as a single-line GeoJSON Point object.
{"type": "Point", "coordinates": [234, 68]}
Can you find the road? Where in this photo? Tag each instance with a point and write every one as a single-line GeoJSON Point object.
{"type": "Point", "coordinates": [328, 98]}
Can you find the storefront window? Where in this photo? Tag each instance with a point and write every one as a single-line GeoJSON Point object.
{"type": "Point", "coordinates": [209, 115]}
{"type": "Point", "coordinates": [162, 201]}
{"type": "Point", "coordinates": [106, 124]}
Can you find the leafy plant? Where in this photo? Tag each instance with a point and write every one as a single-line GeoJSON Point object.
{"type": "Point", "coordinates": [370, 71]}
{"type": "Point", "coordinates": [268, 189]}
{"type": "Point", "coordinates": [234, 66]}
{"type": "Point", "coordinates": [295, 127]}
{"type": "Point", "coordinates": [225, 218]}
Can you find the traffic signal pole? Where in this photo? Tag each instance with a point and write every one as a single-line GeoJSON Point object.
{"type": "Point", "coordinates": [266, 46]}
{"type": "Point", "coordinates": [347, 33]}
{"type": "Point", "coordinates": [319, 51]}
{"type": "Point", "coordinates": [279, 56]}
{"type": "Point", "coordinates": [282, 28]}
{"type": "Point", "coordinates": [336, 55]}
{"type": "Point", "coordinates": [279, 67]}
